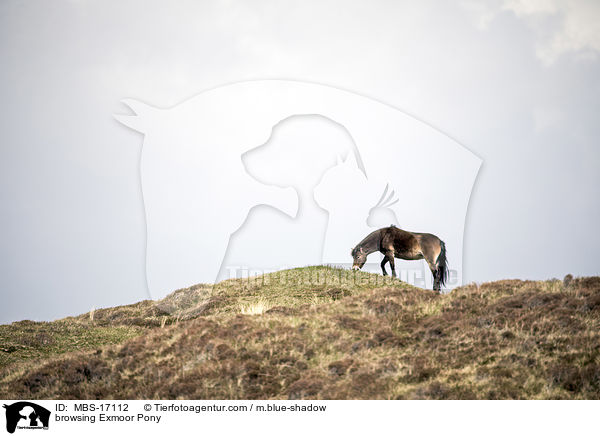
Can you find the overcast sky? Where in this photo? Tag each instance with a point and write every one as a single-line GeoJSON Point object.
{"type": "Point", "coordinates": [515, 82]}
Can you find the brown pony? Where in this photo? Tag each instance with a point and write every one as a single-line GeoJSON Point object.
{"type": "Point", "coordinates": [394, 242]}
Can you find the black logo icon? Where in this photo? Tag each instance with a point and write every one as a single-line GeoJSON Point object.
{"type": "Point", "coordinates": [26, 415]}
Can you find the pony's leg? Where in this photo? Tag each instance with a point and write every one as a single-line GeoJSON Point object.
{"type": "Point", "coordinates": [383, 262]}
{"type": "Point", "coordinates": [436, 279]}
{"type": "Point", "coordinates": [390, 257]}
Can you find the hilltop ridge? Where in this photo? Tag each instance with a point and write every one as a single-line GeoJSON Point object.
{"type": "Point", "coordinates": [319, 332]}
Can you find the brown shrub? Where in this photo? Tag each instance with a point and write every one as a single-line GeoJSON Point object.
{"type": "Point", "coordinates": [307, 387]}
{"type": "Point", "coordinates": [352, 323]}
{"type": "Point", "coordinates": [388, 338]}
{"type": "Point", "coordinates": [70, 372]}
{"type": "Point", "coordinates": [576, 379]}
{"type": "Point", "coordinates": [340, 367]}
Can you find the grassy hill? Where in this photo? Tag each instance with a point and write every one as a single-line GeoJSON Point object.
{"type": "Point", "coordinates": [319, 332]}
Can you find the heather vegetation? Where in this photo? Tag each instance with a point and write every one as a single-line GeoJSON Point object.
{"type": "Point", "coordinates": [319, 332]}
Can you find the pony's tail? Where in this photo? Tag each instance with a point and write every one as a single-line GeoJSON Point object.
{"type": "Point", "coordinates": [442, 265]}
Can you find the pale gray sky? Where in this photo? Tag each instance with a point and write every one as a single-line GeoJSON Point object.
{"type": "Point", "coordinates": [515, 82]}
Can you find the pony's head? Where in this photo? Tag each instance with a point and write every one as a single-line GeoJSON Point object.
{"type": "Point", "coordinates": [360, 257]}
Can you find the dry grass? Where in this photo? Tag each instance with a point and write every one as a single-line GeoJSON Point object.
{"type": "Point", "coordinates": [321, 333]}
{"type": "Point", "coordinates": [257, 308]}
